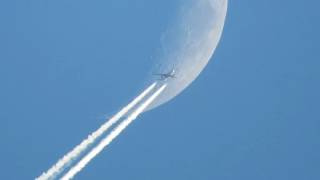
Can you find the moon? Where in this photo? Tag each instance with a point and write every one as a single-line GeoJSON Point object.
{"type": "Point", "coordinates": [189, 43]}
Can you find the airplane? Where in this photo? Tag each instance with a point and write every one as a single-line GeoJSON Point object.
{"type": "Point", "coordinates": [166, 76]}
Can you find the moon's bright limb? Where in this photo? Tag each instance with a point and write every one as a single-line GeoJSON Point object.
{"type": "Point", "coordinates": [189, 43]}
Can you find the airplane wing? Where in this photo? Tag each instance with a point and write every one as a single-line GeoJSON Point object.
{"type": "Point", "coordinates": [158, 74]}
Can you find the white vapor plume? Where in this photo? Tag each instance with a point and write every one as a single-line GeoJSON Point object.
{"type": "Point", "coordinates": [72, 155]}
{"type": "Point", "coordinates": [107, 140]}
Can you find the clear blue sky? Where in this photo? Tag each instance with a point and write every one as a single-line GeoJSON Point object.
{"type": "Point", "coordinates": [252, 114]}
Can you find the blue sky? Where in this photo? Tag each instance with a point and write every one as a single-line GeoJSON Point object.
{"type": "Point", "coordinates": [252, 114]}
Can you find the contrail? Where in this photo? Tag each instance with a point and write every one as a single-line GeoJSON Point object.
{"type": "Point", "coordinates": [72, 155]}
{"type": "Point", "coordinates": [107, 140]}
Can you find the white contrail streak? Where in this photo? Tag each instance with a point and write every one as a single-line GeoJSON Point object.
{"type": "Point", "coordinates": [72, 155]}
{"type": "Point", "coordinates": [106, 141]}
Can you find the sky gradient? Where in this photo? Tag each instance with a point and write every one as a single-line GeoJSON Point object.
{"type": "Point", "coordinates": [65, 66]}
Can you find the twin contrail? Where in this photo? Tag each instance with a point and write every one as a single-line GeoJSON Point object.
{"type": "Point", "coordinates": [105, 142]}
{"type": "Point", "coordinates": [67, 160]}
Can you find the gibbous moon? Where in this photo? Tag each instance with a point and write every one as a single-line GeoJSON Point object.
{"type": "Point", "coordinates": [189, 43]}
